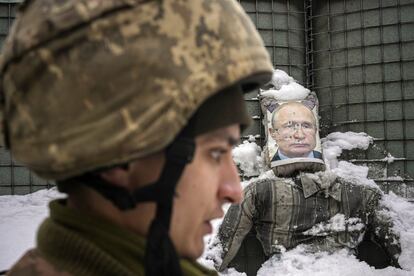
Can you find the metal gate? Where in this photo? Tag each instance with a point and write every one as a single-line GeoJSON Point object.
{"type": "Point", "coordinates": [358, 55]}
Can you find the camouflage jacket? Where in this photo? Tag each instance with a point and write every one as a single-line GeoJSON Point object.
{"type": "Point", "coordinates": [287, 212]}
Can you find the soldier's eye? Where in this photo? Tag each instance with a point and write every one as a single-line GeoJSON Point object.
{"type": "Point", "coordinates": [217, 154]}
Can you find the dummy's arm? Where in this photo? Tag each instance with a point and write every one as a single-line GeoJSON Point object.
{"type": "Point", "coordinates": [236, 224]}
{"type": "Point", "coordinates": [382, 229]}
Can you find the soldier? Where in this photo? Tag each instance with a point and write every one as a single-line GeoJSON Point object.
{"type": "Point", "coordinates": [132, 107]}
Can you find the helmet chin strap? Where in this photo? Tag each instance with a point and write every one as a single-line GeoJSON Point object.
{"type": "Point", "coordinates": [160, 256]}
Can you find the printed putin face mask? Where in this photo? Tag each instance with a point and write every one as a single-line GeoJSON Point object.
{"type": "Point", "coordinates": [292, 140]}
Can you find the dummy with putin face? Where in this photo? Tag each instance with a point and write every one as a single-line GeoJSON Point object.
{"type": "Point", "coordinates": [294, 130]}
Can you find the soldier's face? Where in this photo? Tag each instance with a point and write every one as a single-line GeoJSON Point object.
{"type": "Point", "coordinates": [206, 184]}
{"type": "Point", "coordinates": [295, 131]}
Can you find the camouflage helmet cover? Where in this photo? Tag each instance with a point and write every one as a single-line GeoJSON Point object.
{"type": "Point", "coordinates": [89, 84]}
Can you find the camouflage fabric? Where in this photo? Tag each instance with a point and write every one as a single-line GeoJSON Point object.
{"type": "Point", "coordinates": [287, 212]}
{"type": "Point", "coordinates": [88, 84]}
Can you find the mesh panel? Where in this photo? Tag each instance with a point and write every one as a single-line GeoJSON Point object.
{"type": "Point", "coordinates": [7, 14]}
{"type": "Point", "coordinates": [14, 178]}
{"type": "Point", "coordinates": [281, 26]}
{"type": "Point", "coordinates": [363, 73]}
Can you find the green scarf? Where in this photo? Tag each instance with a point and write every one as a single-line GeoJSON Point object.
{"type": "Point", "coordinates": [68, 241]}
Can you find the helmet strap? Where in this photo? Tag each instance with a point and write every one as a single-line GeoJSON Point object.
{"type": "Point", "coordinates": [161, 257]}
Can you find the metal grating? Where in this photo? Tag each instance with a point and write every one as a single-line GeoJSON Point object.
{"type": "Point", "coordinates": [7, 14]}
{"type": "Point", "coordinates": [281, 26]}
{"type": "Point", "coordinates": [364, 75]}
{"type": "Point", "coordinates": [14, 178]}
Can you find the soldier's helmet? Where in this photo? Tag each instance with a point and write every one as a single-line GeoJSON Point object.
{"type": "Point", "coordinates": [90, 84]}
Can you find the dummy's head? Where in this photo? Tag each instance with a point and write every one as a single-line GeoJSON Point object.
{"type": "Point", "coordinates": [294, 129]}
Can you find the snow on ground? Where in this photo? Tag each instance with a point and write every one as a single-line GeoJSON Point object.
{"type": "Point", "coordinates": [298, 262]}
{"type": "Point", "coordinates": [19, 218]}
{"type": "Point", "coordinates": [402, 213]}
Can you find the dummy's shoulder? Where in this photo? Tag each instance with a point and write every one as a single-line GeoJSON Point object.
{"type": "Point", "coordinates": [266, 185]}
{"type": "Point", "coordinates": [363, 187]}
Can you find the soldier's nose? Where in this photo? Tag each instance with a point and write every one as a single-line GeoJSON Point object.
{"type": "Point", "coordinates": [230, 189]}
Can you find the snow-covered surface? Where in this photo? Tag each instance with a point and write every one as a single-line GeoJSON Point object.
{"type": "Point", "coordinates": [280, 78]}
{"type": "Point", "coordinates": [286, 88]}
{"type": "Point", "coordinates": [336, 142]}
{"type": "Point", "coordinates": [299, 262]}
{"type": "Point", "coordinates": [389, 158]}
{"type": "Point", "coordinates": [248, 157]}
{"type": "Point", "coordinates": [402, 213]}
{"type": "Point", "coordinates": [336, 224]}
{"type": "Point", "coordinates": [356, 174]}
{"type": "Point", "coordinates": [20, 216]}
